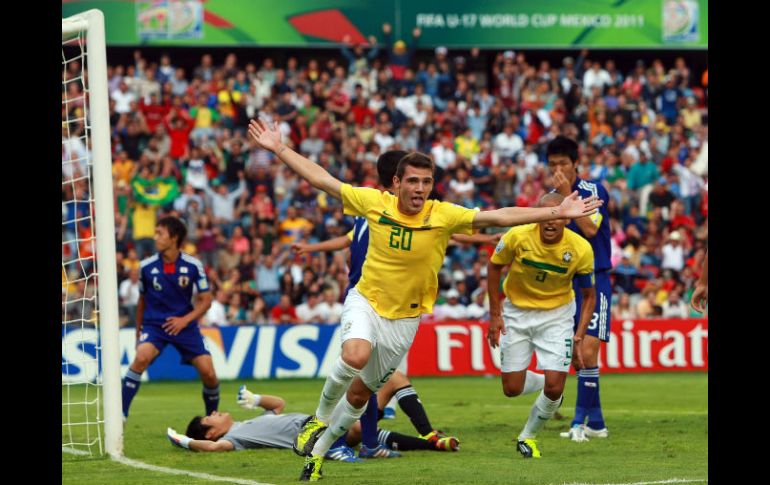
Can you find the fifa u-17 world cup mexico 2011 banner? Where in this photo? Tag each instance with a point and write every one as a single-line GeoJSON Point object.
{"type": "Point", "coordinates": [442, 348]}
{"type": "Point", "coordinates": [453, 23]}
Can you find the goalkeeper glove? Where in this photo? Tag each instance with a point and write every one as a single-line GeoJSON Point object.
{"type": "Point", "coordinates": [177, 439]}
{"type": "Point", "coordinates": [247, 399]}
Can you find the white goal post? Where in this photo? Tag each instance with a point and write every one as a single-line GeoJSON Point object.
{"type": "Point", "coordinates": [88, 163]}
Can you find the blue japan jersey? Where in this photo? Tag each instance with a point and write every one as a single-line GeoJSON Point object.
{"type": "Point", "coordinates": [168, 288]}
{"type": "Point", "coordinates": [358, 248]}
{"type": "Point", "coordinates": [601, 242]}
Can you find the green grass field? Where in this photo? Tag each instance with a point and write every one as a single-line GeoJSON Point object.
{"type": "Point", "coordinates": [658, 431]}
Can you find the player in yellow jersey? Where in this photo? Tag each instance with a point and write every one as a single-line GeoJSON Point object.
{"type": "Point", "coordinates": [538, 312]}
{"type": "Point", "coordinates": [408, 236]}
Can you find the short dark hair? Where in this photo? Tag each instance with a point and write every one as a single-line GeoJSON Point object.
{"type": "Point", "coordinates": [561, 145]}
{"type": "Point", "coordinates": [387, 163]}
{"type": "Point", "coordinates": [196, 429]}
{"type": "Point", "coordinates": [175, 228]}
{"type": "Point", "coordinates": [414, 159]}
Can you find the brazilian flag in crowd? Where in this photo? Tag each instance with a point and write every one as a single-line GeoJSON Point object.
{"type": "Point", "coordinates": [155, 191]}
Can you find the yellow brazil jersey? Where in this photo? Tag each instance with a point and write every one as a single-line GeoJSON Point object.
{"type": "Point", "coordinates": [291, 230]}
{"type": "Point", "coordinates": [540, 276]}
{"type": "Point", "coordinates": [144, 218]}
{"type": "Point", "coordinates": [400, 274]}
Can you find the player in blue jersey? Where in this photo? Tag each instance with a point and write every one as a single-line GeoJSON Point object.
{"type": "Point", "coordinates": [562, 154]}
{"type": "Point", "coordinates": [358, 242]}
{"type": "Point", "coordinates": [166, 313]}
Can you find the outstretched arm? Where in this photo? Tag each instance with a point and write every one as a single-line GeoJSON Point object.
{"type": "Point", "coordinates": [269, 138]}
{"type": "Point", "coordinates": [335, 244]}
{"type": "Point", "coordinates": [476, 238]}
{"type": "Point", "coordinates": [208, 445]}
{"type": "Point", "coordinates": [701, 294]}
{"type": "Point", "coordinates": [589, 226]}
{"type": "Point", "coordinates": [188, 443]}
{"type": "Point", "coordinates": [570, 208]}
{"type": "Point", "coordinates": [249, 400]}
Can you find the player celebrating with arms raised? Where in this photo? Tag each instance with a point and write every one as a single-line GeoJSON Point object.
{"type": "Point", "coordinates": [408, 237]}
{"type": "Point", "coordinates": [545, 259]}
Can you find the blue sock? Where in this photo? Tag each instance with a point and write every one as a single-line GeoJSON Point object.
{"type": "Point", "coordinates": [584, 398]}
{"type": "Point", "coordinates": [369, 424]}
{"type": "Point", "coordinates": [131, 383]}
{"type": "Point", "coordinates": [595, 417]}
{"type": "Point", "coordinates": [211, 399]}
{"type": "Point", "coordinates": [341, 441]}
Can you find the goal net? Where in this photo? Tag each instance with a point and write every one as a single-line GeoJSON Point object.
{"type": "Point", "coordinates": [91, 414]}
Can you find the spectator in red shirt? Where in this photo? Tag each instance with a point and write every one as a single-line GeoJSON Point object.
{"type": "Point", "coordinates": [361, 111]}
{"type": "Point", "coordinates": [283, 312]}
{"type": "Point", "coordinates": [179, 125]}
{"type": "Point", "coordinates": [154, 111]}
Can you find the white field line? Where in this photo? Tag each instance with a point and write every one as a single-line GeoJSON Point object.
{"type": "Point", "coordinates": [172, 471]}
{"type": "Point", "coordinates": [670, 480]}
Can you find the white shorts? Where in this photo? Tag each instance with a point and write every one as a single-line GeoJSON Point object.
{"type": "Point", "coordinates": [390, 339]}
{"type": "Point", "coordinates": [546, 332]}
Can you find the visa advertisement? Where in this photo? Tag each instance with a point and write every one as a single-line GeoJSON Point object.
{"type": "Point", "coordinates": [441, 348]}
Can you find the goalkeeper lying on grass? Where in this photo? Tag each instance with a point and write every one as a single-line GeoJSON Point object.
{"type": "Point", "coordinates": [218, 431]}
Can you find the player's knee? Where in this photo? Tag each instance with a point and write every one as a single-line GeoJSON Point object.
{"type": "Point", "coordinates": [358, 397]}
{"type": "Point", "coordinates": [512, 389]}
{"type": "Point", "coordinates": [553, 391]}
{"type": "Point", "coordinates": [209, 378]}
{"type": "Point", "coordinates": [141, 363]}
{"type": "Point", "coordinates": [400, 379]}
{"type": "Point", "coordinates": [355, 357]}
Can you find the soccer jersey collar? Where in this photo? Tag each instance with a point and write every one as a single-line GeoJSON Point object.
{"type": "Point", "coordinates": [576, 184]}
{"type": "Point", "coordinates": [391, 211]}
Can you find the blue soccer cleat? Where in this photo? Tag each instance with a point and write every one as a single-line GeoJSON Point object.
{"type": "Point", "coordinates": [343, 453]}
{"type": "Point", "coordinates": [381, 451]}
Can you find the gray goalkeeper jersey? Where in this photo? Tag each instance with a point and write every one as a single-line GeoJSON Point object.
{"type": "Point", "coordinates": [266, 431]}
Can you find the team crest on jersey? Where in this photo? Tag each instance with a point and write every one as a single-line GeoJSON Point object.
{"type": "Point", "coordinates": [184, 281]}
{"type": "Point", "coordinates": [567, 257]}
{"type": "Point", "coordinates": [183, 269]}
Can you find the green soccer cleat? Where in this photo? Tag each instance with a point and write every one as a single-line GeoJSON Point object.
{"type": "Point", "coordinates": [528, 448]}
{"type": "Point", "coordinates": [447, 443]}
{"type": "Point", "coordinates": [311, 472]}
{"type": "Point", "coordinates": [308, 435]}
{"type": "Point", "coordinates": [433, 436]}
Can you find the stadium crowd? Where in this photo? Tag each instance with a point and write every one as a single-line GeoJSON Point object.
{"type": "Point", "coordinates": [179, 147]}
